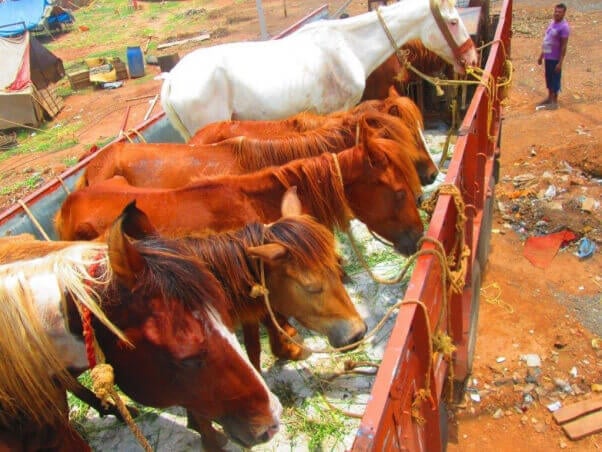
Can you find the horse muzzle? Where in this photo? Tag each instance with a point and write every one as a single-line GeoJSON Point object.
{"type": "Point", "coordinates": [250, 432]}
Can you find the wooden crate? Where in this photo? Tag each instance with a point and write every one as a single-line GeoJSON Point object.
{"type": "Point", "coordinates": [80, 79]}
{"type": "Point", "coordinates": [49, 100]}
{"type": "Point", "coordinates": [120, 67]}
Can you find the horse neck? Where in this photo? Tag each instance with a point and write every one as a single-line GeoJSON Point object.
{"type": "Point", "coordinates": [226, 258]}
{"type": "Point", "coordinates": [367, 38]}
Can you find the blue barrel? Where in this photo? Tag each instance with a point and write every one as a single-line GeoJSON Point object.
{"type": "Point", "coordinates": [135, 62]}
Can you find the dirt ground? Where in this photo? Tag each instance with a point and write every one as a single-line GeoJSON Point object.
{"type": "Point", "coordinates": [553, 312]}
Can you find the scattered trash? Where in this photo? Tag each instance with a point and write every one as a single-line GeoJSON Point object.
{"type": "Point", "coordinates": [499, 413]}
{"type": "Point", "coordinates": [585, 248]}
{"type": "Point", "coordinates": [573, 372]}
{"type": "Point", "coordinates": [596, 387]}
{"type": "Point", "coordinates": [597, 343]}
{"type": "Point", "coordinates": [523, 179]}
{"type": "Point", "coordinates": [527, 400]}
{"type": "Point", "coordinates": [541, 250]}
{"type": "Point", "coordinates": [532, 360]}
{"type": "Point", "coordinates": [112, 85]}
{"type": "Point", "coordinates": [474, 394]}
{"type": "Point", "coordinates": [589, 204]}
{"type": "Point", "coordinates": [554, 406]}
{"type": "Point", "coordinates": [500, 359]}
{"type": "Point", "coordinates": [550, 192]}
{"type": "Point", "coordinates": [563, 385]}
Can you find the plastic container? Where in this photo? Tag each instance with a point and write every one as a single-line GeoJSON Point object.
{"type": "Point", "coordinates": [135, 62]}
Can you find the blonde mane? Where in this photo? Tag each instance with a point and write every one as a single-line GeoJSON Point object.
{"type": "Point", "coordinates": [30, 366]}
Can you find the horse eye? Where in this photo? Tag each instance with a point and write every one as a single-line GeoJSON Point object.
{"type": "Point", "coordinates": [454, 22]}
{"type": "Point", "coordinates": [313, 288]}
{"type": "Point", "coordinates": [194, 362]}
{"type": "Point", "coordinates": [400, 195]}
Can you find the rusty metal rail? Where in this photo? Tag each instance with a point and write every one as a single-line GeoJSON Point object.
{"type": "Point", "coordinates": [393, 420]}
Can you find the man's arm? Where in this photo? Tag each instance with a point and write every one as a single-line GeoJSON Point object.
{"type": "Point", "coordinates": [563, 46]}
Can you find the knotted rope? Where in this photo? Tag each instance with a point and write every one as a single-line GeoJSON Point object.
{"type": "Point", "coordinates": [102, 373]}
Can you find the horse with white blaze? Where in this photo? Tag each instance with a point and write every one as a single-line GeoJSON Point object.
{"type": "Point", "coordinates": [320, 68]}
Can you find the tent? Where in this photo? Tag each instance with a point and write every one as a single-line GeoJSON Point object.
{"type": "Point", "coordinates": [26, 75]}
{"type": "Point", "coordinates": [18, 16]}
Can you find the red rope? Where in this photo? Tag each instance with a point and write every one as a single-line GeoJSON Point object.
{"type": "Point", "coordinates": [86, 316]}
{"type": "Point", "coordinates": [88, 331]}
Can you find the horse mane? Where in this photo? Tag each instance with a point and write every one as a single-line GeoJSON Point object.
{"type": "Point", "coordinates": [307, 241]}
{"type": "Point", "coordinates": [253, 154]}
{"type": "Point", "coordinates": [319, 184]}
{"type": "Point", "coordinates": [31, 370]}
{"type": "Point", "coordinates": [174, 272]}
{"type": "Point", "coordinates": [407, 109]}
{"type": "Point", "coordinates": [28, 357]}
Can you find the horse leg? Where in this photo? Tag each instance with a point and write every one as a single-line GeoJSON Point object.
{"type": "Point", "coordinates": [250, 333]}
{"type": "Point", "coordinates": [282, 347]}
{"type": "Point", "coordinates": [212, 439]}
{"type": "Point", "coordinates": [88, 397]}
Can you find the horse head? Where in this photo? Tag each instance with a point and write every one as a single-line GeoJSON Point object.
{"type": "Point", "coordinates": [384, 196]}
{"type": "Point", "coordinates": [406, 109]}
{"type": "Point", "coordinates": [447, 36]}
{"type": "Point", "coordinates": [176, 315]}
{"type": "Point", "coordinates": [304, 276]}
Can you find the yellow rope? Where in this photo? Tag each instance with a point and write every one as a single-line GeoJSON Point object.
{"type": "Point", "coordinates": [34, 220]}
{"type": "Point", "coordinates": [496, 297]}
{"type": "Point", "coordinates": [103, 382]}
{"type": "Point", "coordinates": [63, 184]}
{"type": "Point", "coordinates": [137, 133]}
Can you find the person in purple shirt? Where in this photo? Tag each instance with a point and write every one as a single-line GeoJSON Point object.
{"type": "Point", "coordinates": [553, 51]}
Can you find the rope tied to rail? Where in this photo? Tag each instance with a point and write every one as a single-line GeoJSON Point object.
{"type": "Point", "coordinates": [135, 132]}
{"type": "Point", "coordinates": [33, 219]}
{"type": "Point", "coordinates": [495, 89]}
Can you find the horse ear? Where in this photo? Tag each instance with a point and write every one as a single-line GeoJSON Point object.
{"type": "Point", "coordinates": [376, 157]}
{"type": "Point", "coordinates": [393, 93]}
{"type": "Point", "coordinates": [291, 204]}
{"type": "Point", "coordinates": [126, 262]}
{"type": "Point", "coordinates": [135, 223]}
{"type": "Point", "coordinates": [270, 253]}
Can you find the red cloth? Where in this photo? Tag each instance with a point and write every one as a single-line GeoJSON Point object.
{"type": "Point", "coordinates": [22, 79]}
{"type": "Point", "coordinates": [541, 250]}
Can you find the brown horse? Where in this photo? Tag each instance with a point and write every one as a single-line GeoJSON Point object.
{"type": "Point", "coordinates": [392, 74]}
{"type": "Point", "coordinates": [368, 180]}
{"type": "Point", "coordinates": [166, 303]}
{"type": "Point", "coordinates": [302, 276]}
{"type": "Point", "coordinates": [400, 106]}
{"type": "Point", "coordinates": [160, 165]}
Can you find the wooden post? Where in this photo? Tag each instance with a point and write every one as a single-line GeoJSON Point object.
{"type": "Point", "coordinates": [262, 26]}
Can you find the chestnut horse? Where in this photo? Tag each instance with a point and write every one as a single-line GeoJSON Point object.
{"type": "Point", "coordinates": [167, 304]}
{"type": "Point", "coordinates": [302, 276]}
{"type": "Point", "coordinates": [393, 104]}
{"type": "Point", "coordinates": [160, 165]}
{"type": "Point", "coordinates": [392, 74]}
{"type": "Point", "coordinates": [368, 180]}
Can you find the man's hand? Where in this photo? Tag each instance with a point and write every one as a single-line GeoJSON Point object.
{"type": "Point", "coordinates": [558, 67]}
{"type": "Point", "coordinates": [540, 60]}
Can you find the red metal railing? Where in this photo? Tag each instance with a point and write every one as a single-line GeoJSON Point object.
{"type": "Point", "coordinates": [395, 418]}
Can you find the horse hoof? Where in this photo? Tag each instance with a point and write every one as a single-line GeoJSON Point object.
{"type": "Point", "coordinates": [214, 442]}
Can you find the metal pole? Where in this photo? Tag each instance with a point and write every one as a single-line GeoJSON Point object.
{"type": "Point", "coordinates": [262, 27]}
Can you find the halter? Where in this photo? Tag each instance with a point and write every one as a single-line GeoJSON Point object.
{"type": "Point", "coordinates": [457, 50]}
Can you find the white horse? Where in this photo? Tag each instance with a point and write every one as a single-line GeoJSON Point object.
{"type": "Point", "coordinates": [321, 68]}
